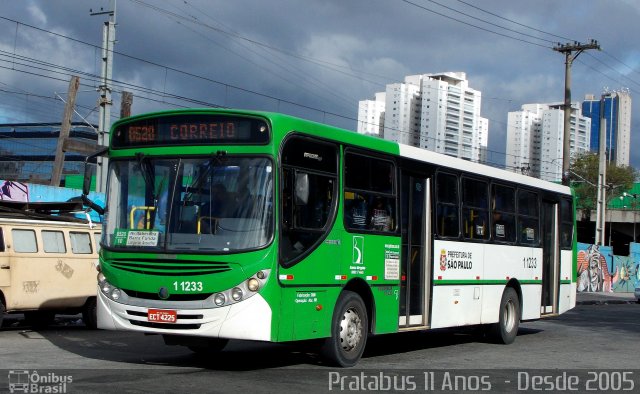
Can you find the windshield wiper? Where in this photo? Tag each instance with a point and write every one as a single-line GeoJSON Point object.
{"type": "Point", "coordinates": [218, 159]}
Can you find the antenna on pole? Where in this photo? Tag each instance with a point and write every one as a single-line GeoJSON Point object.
{"type": "Point", "coordinates": [104, 100]}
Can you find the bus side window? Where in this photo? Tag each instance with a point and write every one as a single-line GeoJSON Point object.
{"type": "Point", "coordinates": [308, 187]}
{"type": "Point", "coordinates": [447, 210]}
{"type": "Point", "coordinates": [475, 208]}
{"type": "Point", "coordinates": [369, 197]}
{"type": "Point", "coordinates": [528, 214]}
{"type": "Point", "coordinates": [1, 240]}
{"type": "Point", "coordinates": [566, 223]}
{"type": "Point", "coordinates": [503, 213]}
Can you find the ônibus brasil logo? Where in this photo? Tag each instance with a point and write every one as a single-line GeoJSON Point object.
{"type": "Point", "coordinates": [23, 381]}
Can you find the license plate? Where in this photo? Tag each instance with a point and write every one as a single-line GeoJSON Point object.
{"type": "Point", "coordinates": [162, 316]}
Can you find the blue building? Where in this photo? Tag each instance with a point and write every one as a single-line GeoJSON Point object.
{"type": "Point", "coordinates": [617, 114]}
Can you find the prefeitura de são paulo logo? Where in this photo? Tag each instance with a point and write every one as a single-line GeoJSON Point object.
{"type": "Point", "coordinates": [443, 260]}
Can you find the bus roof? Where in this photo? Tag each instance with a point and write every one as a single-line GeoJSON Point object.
{"type": "Point", "coordinates": [368, 142]}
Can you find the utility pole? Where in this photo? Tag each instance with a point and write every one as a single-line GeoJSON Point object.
{"type": "Point", "coordinates": [568, 50]}
{"type": "Point", "coordinates": [601, 219]}
{"type": "Point", "coordinates": [65, 128]}
{"type": "Point", "coordinates": [104, 102]}
{"type": "Point", "coordinates": [125, 104]}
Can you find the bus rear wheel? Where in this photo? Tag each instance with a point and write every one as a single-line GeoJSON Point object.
{"type": "Point", "coordinates": [349, 329]}
{"type": "Point", "coordinates": [506, 329]}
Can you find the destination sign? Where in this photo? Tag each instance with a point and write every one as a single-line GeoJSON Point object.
{"type": "Point", "coordinates": [201, 129]}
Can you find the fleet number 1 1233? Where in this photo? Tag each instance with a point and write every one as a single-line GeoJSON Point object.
{"type": "Point", "coordinates": [187, 286]}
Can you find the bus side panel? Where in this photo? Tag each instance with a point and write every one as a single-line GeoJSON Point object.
{"type": "Point", "coordinates": [455, 305]}
{"type": "Point", "coordinates": [567, 285]}
{"type": "Point", "coordinates": [306, 312]}
{"type": "Point", "coordinates": [385, 299]}
{"type": "Point", "coordinates": [457, 293]}
{"type": "Point", "coordinates": [375, 259]}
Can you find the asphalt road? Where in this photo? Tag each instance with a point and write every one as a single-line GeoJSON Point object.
{"type": "Point", "coordinates": [588, 342]}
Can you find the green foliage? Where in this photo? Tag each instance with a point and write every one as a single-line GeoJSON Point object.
{"type": "Point", "coordinates": [584, 179]}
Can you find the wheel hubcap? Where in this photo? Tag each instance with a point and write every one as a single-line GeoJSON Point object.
{"type": "Point", "coordinates": [350, 329]}
{"type": "Point", "coordinates": [509, 316]}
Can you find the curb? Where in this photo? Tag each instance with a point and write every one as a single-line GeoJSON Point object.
{"type": "Point", "coordinates": [605, 302]}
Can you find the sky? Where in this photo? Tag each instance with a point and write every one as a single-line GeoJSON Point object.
{"type": "Point", "coordinates": [313, 59]}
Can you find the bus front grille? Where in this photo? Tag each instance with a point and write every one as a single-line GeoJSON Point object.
{"type": "Point", "coordinates": [171, 267]}
{"type": "Point", "coordinates": [172, 297]}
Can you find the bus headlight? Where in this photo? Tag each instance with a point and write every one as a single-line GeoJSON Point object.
{"type": "Point", "coordinates": [253, 284]}
{"type": "Point", "coordinates": [115, 294]}
{"type": "Point", "coordinates": [219, 299]}
{"type": "Point", "coordinates": [236, 294]}
{"type": "Point", "coordinates": [106, 288]}
{"type": "Point", "coordinates": [246, 289]}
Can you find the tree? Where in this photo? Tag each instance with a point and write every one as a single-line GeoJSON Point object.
{"type": "Point", "coordinates": [584, 179]}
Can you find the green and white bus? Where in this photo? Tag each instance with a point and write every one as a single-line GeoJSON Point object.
{"type": "Point", "coordinates": [231, 224]}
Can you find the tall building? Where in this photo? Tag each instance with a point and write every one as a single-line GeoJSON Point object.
{"type": "Point", "coordinates": [438, 112]}
{"type": "Point", "coordinates": [371, 115]}
{"type": "Point", "coordinates": [535, 139]}
{"type": "Point", "coordinates": [617, 113]}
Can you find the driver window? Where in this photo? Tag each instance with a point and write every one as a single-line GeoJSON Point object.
{"type": "Point", "coordinates": [308, 187]}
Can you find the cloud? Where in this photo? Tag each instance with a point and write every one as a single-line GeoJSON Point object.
{"type": "Point", "coordinates": [325, 55]}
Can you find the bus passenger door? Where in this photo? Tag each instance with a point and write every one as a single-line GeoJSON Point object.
{"type": "Point", "coordinates": [550, 258]}
{"type": "Point", "coordinates": [415, 279]}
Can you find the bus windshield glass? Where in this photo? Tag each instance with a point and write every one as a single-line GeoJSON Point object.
{"type": "Point", "coordinates": [214, 204]}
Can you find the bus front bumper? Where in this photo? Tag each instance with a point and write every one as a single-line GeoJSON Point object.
{"type": "Point", "coordinates": [249, 319]}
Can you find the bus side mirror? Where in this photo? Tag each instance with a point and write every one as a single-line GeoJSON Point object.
{"type": "Point", "coordinates": [86, 183]}
{"type": "Point", "coordinates": [302, 189]}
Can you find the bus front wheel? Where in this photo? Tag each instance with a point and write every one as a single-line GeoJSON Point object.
{"type": "Point", "coordinates": [506, 329]}
{"type": "Point", "coordinates": [89, 314]}
{"type": "Point", "coordinates": [349, 329]}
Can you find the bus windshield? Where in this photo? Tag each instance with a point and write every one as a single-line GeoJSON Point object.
{"type": "Point", "coordinates": [206, 204]}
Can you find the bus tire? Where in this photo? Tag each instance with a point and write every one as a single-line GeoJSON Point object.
{"type": "Point", "coordinates": [506, 329]}
{"type": "Point", "coordinates": [89, 314]}
{"type": "Point", "coordinates": [39, 319]}
{"type": "Point", "coordinates": [211, 346]}
{"type": "Point", "coordinates": [349, 329]}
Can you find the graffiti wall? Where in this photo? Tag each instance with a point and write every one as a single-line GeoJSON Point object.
{"type": "Point", "coordinates": [28, 192]}
{"type": "Point", "coordinates": [600, 270]}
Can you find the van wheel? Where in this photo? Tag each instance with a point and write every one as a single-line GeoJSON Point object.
{"type": "Point", "coordinates": [349, 329]}
{"type": "Point", "coordinates": [89, 316]}
{"type": "Point", "coordinates": [2, 311]}
{"type": "Point", "coordinates": [39, 319]}
{"type": "Point", "coordinates": [506, 329]}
